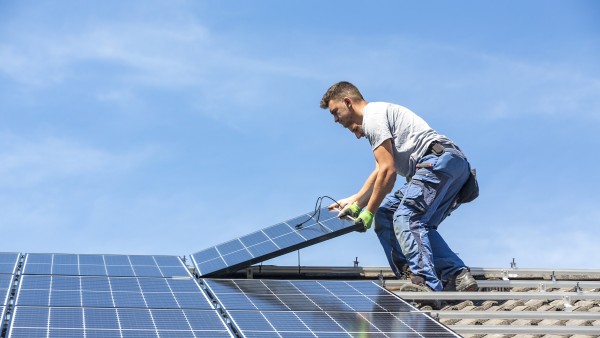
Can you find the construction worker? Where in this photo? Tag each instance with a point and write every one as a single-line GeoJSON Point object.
{"type": "Point", "coordinates": [406, 221]}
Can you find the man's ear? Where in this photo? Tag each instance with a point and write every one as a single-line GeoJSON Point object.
{"type": "Point", "coordinates": [347, 101]}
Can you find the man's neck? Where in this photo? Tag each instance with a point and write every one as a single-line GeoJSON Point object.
{"type": "Point", "coordinates": [359, 109]}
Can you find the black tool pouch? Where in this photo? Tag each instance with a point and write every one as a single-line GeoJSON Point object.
{"type": "Point", "coordinates": [470, 189]}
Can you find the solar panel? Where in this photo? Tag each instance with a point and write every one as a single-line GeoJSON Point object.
{"type": "Point", "coordinates": [69, 295]}
{"type": "Point", "coordinates": [5, 286]}
{"type": "Point", "coordinates": [271, 242]}
{"type": "Point", "coordinates": [111, 292]}
{"type": "Point", "coordinates": [8, 262]}
{"type": "Point", "coordinates": [104, 265]}
{"type": "Point", "coordinates": [301, 308]}
{"type": "Point", "coordinates": [107, 323]}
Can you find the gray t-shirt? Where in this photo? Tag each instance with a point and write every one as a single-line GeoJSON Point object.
{"type": "Point", "coordinates": [410, 134]}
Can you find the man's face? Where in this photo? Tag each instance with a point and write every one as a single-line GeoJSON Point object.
{"type": "Point", "coordinates": [344, 114]}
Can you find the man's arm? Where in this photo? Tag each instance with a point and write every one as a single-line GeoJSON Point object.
{"type": "Point", "coordinates": [378, 184]}
{"type": "Point", "coordinates": [384, 176]}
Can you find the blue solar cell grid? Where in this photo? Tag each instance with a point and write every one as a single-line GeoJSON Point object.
{"type": "Point", "coordinates": [111, 292]}
{"type": "Point", "coordinates": [104, 265]}
{"type": "Point", "coordinates": [337, 324]}
{"type": "Point", "coordinates": [8, 262]}
{"type": "Point", "coordinates": [305, 295]}
{"type": "Point", "coordinates": [5, 286]}
{"type": "Point", "coordinates": [265, 308]}
{"type": "Point", "coordinates": [108, 323]}
{"type": "Point", "coordinates": [270, 242]}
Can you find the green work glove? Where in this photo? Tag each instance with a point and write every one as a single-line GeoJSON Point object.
{"type": "Point", "coordinates": [365, 218]}
{"type": "Point", "coordinates": [351, 210]}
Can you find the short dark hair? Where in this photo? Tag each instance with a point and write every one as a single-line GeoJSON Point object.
{"type": "Point", "coordinates": [338, 91]}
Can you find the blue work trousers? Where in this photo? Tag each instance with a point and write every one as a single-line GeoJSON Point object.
{"type": "Point", "coordinates": [407, 220]}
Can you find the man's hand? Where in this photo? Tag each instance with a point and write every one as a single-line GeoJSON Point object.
{"type": "Point", "coordinates": [365, 218]}
{"type": "Point", "coordinates": [341, 204]}
{"type": "Point", "coordinates": [351, 210]}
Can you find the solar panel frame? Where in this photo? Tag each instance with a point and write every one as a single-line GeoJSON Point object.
{"type": "Point", "coordinates": [336, 307]}
{"type": "Point", "coordinates": [111, 292]}
{"type": "Point", "coordinates": [104, 265]}
{"type": "Point", "coordinates": [123, 322]}
{"type": "Point", "coordinates": [270, 242]}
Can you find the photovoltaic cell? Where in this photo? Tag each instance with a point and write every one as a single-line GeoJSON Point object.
{"type": "Point", "coordinates": [106, 323]}
{"type": "Point", "coordinates": [264, 308]}
{"type": "Point", "coordinates": [111, 292]}
{"type": "Point", "coordinates": [8, 262]}
{"type": "Point", "coordinates": [104, 265]}
{"type": "Point", "coordinates": [271, 242]}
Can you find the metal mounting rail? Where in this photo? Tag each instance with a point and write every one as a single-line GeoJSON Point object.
{"type": "Point", "coordinates": [525, 329]}
{"type": "Point", "coordinates": [524, 272]}
{"type": "Point", "coordinates": [568, 296]}
{"type": "Point", "coordinates": [559, 315]}
{"type": "Point", "coordinates": [540, 284]}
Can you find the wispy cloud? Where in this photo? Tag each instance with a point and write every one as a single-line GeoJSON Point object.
{"type": "Point", "coordinates": [147, 53]}
{"type": "Point", "coordinates": [187, 56]}
{"type": "Point", "coordinates": [27, 163]}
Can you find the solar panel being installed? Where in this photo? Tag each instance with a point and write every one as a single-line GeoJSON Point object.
{"type": "Point", "coordinates": [8, 262]}
{"type": "Point", "coordinates": [271, 242]}
{"type": "Point", "coordinates": [104, 265]}
{"type": "Point", "coordinates": [107, 323]}
{"type": "Point", "coordinates": [270, 308]}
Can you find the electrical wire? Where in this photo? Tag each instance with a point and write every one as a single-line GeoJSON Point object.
{"type": "Point", "coordinates": [317, 210]}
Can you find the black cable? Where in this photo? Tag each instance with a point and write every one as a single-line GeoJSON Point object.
{"type": "Point", "coordinates": [317, 210]}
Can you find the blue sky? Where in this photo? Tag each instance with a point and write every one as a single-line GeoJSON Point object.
{"type": "Point", "coordinates": [165, 127]}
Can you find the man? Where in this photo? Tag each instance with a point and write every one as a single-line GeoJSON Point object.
{"type": "Point", "coordinates": [405, 221]}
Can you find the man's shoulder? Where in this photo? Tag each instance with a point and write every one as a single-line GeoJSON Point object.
{"type": "Point", "coordinates": [382, 107]}
{"type": "Point", "coordinates": [377, 106]}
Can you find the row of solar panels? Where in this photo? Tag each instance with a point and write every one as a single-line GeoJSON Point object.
{"type": "Point", "coordinates": [178, 305]}
{"type": "Point", "coordinates": [71, 295]}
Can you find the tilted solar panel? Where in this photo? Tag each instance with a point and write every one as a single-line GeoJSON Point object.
{"type": "Point", "coordinates": [104, 265]}
{"type": "Point", "coordinates": [323, 308]}
{"type": "Point", "coordinates": [8, 262]}
{"type": "Point", "coordinates": [271, 242]}
{"type": "Point", "coordinates": [108, 323]}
